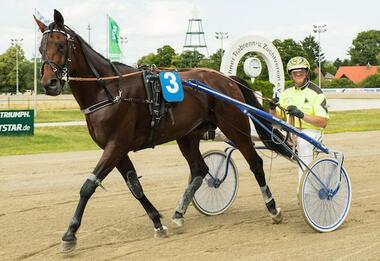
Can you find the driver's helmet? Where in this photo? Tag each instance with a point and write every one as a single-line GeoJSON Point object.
{"type": "Point", "coordinates": [297, 62]}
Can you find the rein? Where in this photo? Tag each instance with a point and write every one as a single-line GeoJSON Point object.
{"type": "Point", "coordinates": [63, 70]}
{"type": "Point", "coordinates": [106, 78]}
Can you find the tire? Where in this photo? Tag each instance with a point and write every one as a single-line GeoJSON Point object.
{"type": "Point", "coordinates": [321, 212]}
{"type": "Point", "coordinates": [211, 199]}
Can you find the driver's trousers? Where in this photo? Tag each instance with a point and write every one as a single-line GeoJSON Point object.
{"type": "Point", "coordinates": [306, 151]}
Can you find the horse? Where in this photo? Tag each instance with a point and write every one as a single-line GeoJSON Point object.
{"type": "Point", "coordinates": [115, 103]}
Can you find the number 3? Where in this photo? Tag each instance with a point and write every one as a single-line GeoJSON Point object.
{"type": "Point", "coordinates": [173, 87]}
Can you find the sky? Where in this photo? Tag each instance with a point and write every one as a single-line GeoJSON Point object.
{"type": "Point", "coordinates": [150, 24]}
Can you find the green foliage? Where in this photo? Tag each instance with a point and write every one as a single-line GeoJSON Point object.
{"type": "Point", "coordinates": [213, 62]}
{"type": "Point", "coordinates": [338, 62]}
{"type": "Point", "coordinates": [288, 84]}
{"type": "Point", "coordinates": [188, 59]}
{"type": "Point", "coordinates": [329, 67]}
{"type": "Point", "coordinates": [265, 87]}
{"type": "Point", "coordinates": [311, 48]}
{"type": "Point", "coordinates": [371, 81]}
{"type": "Point", "coordinates": [164, 56]}
{"type": "Point", "coordinates": [147, 59]}
{"type": "Point", "coordinates": [8, 70]}
{"type": "Point", "coordinates": [339, 83]}
{"type": "Point", "coordinates": [288, 49]}
{"type": "Point", "coordinates": [365, 48]}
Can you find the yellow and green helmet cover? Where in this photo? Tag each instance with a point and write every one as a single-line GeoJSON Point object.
{"type": "Point", "coordinates": [297, 62]}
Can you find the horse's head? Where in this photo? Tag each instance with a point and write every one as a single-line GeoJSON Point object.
{"type": "Point", "coordinates": [56, 50]}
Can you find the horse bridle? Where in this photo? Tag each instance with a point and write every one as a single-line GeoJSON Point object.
{"type": "Point", "coordinates": [60, 70]}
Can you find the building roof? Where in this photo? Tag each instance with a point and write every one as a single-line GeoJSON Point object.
{"type": "Point", "coordinates": [356, 73]}
{"type": "Point", "coordinates": [329, 76]}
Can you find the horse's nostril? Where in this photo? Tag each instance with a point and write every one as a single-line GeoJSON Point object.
{"type": "Point", "coordinates": [53, 82]}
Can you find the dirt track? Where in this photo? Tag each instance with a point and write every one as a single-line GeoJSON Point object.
{"type": "Point", "coordinates": [38, 195]}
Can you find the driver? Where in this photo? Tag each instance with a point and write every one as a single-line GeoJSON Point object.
{"type": "Point", "coordinates": [305, 101]}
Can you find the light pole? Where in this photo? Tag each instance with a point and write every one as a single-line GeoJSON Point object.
{"type": "Point", "coordinates": [221, 36]}
{"type": "Point", "coordinates": [16, 43]}
{"type": "Point", "coordinates": [89, 34]}
{"type": "Point", "coordinates": [319, 29]}
{"type": "Point", "coordinates": [123, 40]}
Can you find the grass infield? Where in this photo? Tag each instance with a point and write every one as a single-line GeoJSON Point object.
{"type": "Point", "coordinates": [76, 138]}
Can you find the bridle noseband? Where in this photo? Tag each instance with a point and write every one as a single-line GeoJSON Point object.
{"type": "Point", "coordinates": [60, 70]}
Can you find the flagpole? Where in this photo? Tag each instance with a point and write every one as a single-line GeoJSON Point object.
{"type": "Point", "coordinates": [35, 66]}
{"type": "Point", "coordinates": [108, 35]}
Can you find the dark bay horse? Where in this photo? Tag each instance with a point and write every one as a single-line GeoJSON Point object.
{"type": "Point", "coordinates": [114, 99]}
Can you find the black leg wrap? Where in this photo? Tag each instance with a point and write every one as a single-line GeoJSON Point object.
{"type": "Point", "coordinates": [134, 185]}
{"type": "Point", "coordinates": [271, 206]}
{"type": "Point", "coordinates": [88, 189]}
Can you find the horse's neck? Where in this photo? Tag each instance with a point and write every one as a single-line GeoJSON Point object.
{"type": "Point", "coordinates": [88, 93]}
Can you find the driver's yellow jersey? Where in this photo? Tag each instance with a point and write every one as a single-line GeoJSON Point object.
{"type": "Point", "coordinates": [309, 99]}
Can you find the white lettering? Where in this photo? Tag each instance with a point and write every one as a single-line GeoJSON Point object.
{"type": "Point", "coordinates": [14, 114]}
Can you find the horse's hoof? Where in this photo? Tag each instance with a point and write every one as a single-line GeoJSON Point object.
{"type": "Point", "coordinates": [161, 232]}
{"type": "Point", "coordinates": [178, 221]}
{"type": "Point", "coordinates": [277, 218]}
{"type": "Point", "coordinates": [68, 246]}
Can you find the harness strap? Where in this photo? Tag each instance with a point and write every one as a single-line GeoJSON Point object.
{"type": "Point", "coordinates": [97, 106]}
{"type": "Point", "coordinates": [153, 91]}
{"type": "Point", "coordinates": [95, 72]}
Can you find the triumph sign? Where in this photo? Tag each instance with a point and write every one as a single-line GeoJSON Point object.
{"type": "Point", "coordinates": [16, 122]}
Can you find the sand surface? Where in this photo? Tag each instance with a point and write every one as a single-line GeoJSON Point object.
{"type": "Point", "coordinates": [38, 195]}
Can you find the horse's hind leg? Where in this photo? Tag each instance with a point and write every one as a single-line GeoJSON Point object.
{"type": "Point", "coordinates": [242, 140]}
{"type": "Point", "coordinates": [128, 172]}
{"type": "Point", "coordinates": [189, 146]}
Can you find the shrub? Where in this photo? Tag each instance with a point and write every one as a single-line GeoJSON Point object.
{"type": "Point", "coordinates": [371, 81]}
{"type": "Point", "coordinates": [339, 83]}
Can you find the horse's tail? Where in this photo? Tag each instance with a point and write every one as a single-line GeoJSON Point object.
{"type": "Point", "coordinates": [264, 135]}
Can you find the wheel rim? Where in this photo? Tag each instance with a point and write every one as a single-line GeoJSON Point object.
{"type": "Point", "coordinates": [215, 194]}
{"type": "Point", "coordinates": [324, 210]}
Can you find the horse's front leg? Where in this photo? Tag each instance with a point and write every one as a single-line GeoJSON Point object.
{"type": "Point", "coordinates": [110, 157]}
{"type": "Point", "coordinates": [128, 172]}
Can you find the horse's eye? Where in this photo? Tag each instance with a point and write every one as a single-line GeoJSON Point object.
{"type": "Point", "coordinates": [61, 46]}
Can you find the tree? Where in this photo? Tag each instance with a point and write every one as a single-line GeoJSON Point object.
{"type": "Point", "coordinates": [338, 62]}
{"type": "Point", "coordinates": [288, 49]}
{"type": "Point", "coordinates": [8, 70]}
{"type": "Point", "coordinates": [329, 67]}
{"type": "Point", "coordinates": [164, 56]}
{"type": "Point", "coordinates": [187, 59]}
{"type": "Point", "coordinates": [371, 81]}
{"type": "Point", "coordinates": [213, 62]}
{"type": "Point", "coordinates": [147, 59]}
{"type": "Point", "coordinates": [339, 83]}
{"type": "Point", "coordinates": [311, 48]}
{"type": "Point", "coordinates": [365, 48]}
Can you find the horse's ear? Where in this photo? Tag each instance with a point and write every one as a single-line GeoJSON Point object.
{"type": "Point", "coordinates": [40, 24]}
{"type": "Point", "coordinates": [58, 19]}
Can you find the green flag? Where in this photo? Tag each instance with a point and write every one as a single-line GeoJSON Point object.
{"type": "Point", "coordinates": [114, 51]}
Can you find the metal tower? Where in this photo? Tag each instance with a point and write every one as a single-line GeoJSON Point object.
{"type": "Point", "coordinates": [195, 36]}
